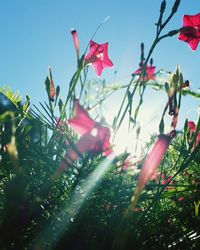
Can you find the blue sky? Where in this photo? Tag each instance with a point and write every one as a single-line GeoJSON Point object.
{"type": "Point", "coordinates": [36, 33]}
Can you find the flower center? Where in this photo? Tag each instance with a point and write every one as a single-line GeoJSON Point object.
{"type": "Point", "coordinates": [100, 56]}
{"type": "Point", "coordinates": [94, 132]}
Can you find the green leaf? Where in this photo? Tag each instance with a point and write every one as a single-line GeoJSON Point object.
{"type": "Point", "coordinates": [129, 101]}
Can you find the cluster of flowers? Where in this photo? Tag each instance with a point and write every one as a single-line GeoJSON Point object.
{"type": "Point", "coordinates": [94, 137]}
{"type": "Point", "coordinates": [98, 54]}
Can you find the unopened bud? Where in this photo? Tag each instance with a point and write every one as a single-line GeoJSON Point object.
{"type": "Point", "coordinates": [175, 6]}
{"type": "Point", "coordinates": [151, 62]}
{"type": "Point", "coordinates": [142, 52]}
{"type": "Point", "coordinates": [76, 42]}
{"type": "Point", "coordinates": [162, 6]}
{"type": "Point", "coordinates": [173, 32]}
{"type": "Point", "coordinates": [51, 87]}
{"type": "Point", "coordinates": [185, 84]}
{"type": "Point", "coordinates": [151, 165]}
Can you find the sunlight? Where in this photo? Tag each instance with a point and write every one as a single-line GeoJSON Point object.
{"type": "Point", "coordinates": [71, 209]}
{"type": "Point", "coordinates": [126, 140]}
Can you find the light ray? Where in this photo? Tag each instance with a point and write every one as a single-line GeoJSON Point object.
{"type": "Point", "coordinates": [71, 208]}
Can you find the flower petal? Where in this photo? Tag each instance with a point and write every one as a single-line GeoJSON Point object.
{"type": "Point", "coordinates": [98, 67]}
{"type": "Point", "coordinates": [93, 50]}
{"type": "Point", "coordinates": [193, 43]}
{"type": "Point", "coordinates": [191, 126]}
{"type": "Point", "coordinates": [82, 123]}
{"type": "Point", "coordinates": [153, 160]}
{"type": "Point", "coordinates": [191, 20]}
{"type": "Point", "coordinates": [150, 71]}
{"type": "Point", "coordinates": [98, 56]}
{"type": "Point", "coordinates": [190, 32]}
{"type": "Point", "coordinates": [187, 21]}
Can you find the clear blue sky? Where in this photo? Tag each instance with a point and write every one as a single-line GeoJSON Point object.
{"type": "Point", "coordinates": [36, 33]}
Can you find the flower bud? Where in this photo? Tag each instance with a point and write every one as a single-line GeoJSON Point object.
{"type": "Point", "coordinates": [76, 42]}
{"type": "Point", "coordinates": [162, 6]}
{"type": "Point", "coordinates": [175, 6]}
{"type": "Point", "coordinates": [151, 165]}
{"type": "Point", "coordinates": [153, 160]}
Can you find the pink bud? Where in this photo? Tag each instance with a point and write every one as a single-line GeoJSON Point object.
{"type": "Point", "coordinates": [150, 166]}
{"type": "Point", "coordinates": [181, 198]}
{"type": "Point", "coordinates": [191, 126]}
{"type": "Point", "coordinates": [153, 160]}
{"type": "Point", "coordinates": [197, 139]}
{"type": "Point", "coordinates": [76, 42]}
{"type": "Point", "coordinates": [52, 91]}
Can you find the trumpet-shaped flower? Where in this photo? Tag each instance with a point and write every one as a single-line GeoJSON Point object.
{"type": "Point", "coordinates": [150, 165]}
{"type": "Point", "coordinates": [153, 160]}
{"type": "Point", "coordinates": [192, 130]}
{"type": "Point", "coordinates": [191, 126]}
{"type": "Point", "coordinates": [190, 32]}
{"type": "Point", "coordinates": [198, 138]}
{"type": "Point", "coordinates": [94, 137]}
{"type": "Point", "coordinates": [148, 74]}
{"type": "Point", "coordinates": [98, 57]}
{"type": "Point", "coordinates": [84, 125]}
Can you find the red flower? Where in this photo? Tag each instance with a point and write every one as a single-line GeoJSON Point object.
{"type": "Point", "coordinates": [192, 130]}
{"type": "Point", "coordinates": [84, 125]}
{"type": "Point", "coordinates": [149, 73]}
{"type": "Point", "coordinates": [190, 32]}
{"type": "Point", "coordinates": [191, 126]}
{"type": "Point", "coordinates": [153, 160]}
{"type": "Point", "coordinates": [126, 164]}
{"type": "Point", "coordinates": [150, 166]}
{"type": "Point", "coordinates": [98, 56]}
{"type": "Point", "coordinates": [198, 138]}
{"type": "Point", "coordinates": [166, 180]}
{"type": "Point", "coordinates": [95, 138]}
{"type": "Point", "coordinates": [181, 198]}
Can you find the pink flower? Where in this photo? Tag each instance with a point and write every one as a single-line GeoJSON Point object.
{"type": "Point", "coordinates": [126, 164]}
{"type": "Point", "coordinates": [148, 74]}
{"type": "Point", "coordinates": [151, 165]}
{"type": "Point", "coordinates": [198, 138]}
{"type": "Point", "coordinates": [153, 160]}
{"type": "Point", "coordinates": [181, 198]}
{"type": "Point", "coordinates": [84, 125]}
{"type": "Point", "coordinates": [95, 138]}
{"type": "Point", "coordinates": [137, 209]}
{"type": "Point", "coordinates": [76, 42]}
{"type": "Point", "coordinates": [166, 180]}
{"type": "Point", "coordinates": [190, 32]}
{"type": "Point", "coordinates": [191, 126]}
{"type": "Point", "coordinates": [98, 56]}
{"type": "Point", "coordinates": [192, 130]}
